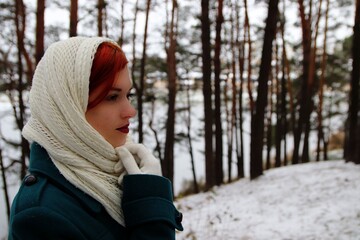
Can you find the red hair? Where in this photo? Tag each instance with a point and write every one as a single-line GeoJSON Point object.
{"type": "Point", "coordinates": [109, 59]}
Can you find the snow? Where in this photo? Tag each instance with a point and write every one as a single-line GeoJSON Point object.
{"type": "Point", "coordinates": [305, 201]}
{"type": "Point", "coordinates": [317, 200]}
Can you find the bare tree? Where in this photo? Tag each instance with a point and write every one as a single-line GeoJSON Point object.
{"type": "Point", "coordinates": [100, 16]}
{"type": "Point", "coordinates": [191, 152]}
{"type": "Point", "coordinates": [308, 85]}
{"type": "Point", "coordinates": [278, 108]}
{"type": "Point", "coordinates": [6, 192]}
{"type": "Point", "coordinates": [247, 39]}
{"type": "Point", "coordinates": [257, 121]}
{"type": "Point", "coordinates": [40, 25]}
{"type": "Point", "coordinates": [233, 93]}
{"type": "Point", "coordinates": [240, 133]}
{"type": "Point", "coordinates": [268, 124]}
{"type": "Point", "coordinates": [352, 152]}
{"type": "Point", "coordinates": [19, 106]}
{"type": "Point", "coordinates": [122, 23]}
{"type": "Point", "coordinates": [207, 92]}
{"type": "Point", "coordinates": [217, 112]}
{"type": "Point", "coordinates": [286, 88]}
{"type": "Point", "coordinates": [168, 163]}
{"type": "Point", "coordinates": [321, 88]}
{"type": "Point", "coordinates": [306, 32]}
{"type": "Point", "coordinates": [73, 18]}
{"type": "Point", "coordinates": [136, 8]}
{"type": "Point", "coordinates": [140, 89]}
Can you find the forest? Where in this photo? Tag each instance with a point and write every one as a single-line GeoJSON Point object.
{"type": "Point", "coordinates": [283, 74]}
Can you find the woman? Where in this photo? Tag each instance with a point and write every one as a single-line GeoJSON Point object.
{"type": "Point", "coordinates": [87, 180]}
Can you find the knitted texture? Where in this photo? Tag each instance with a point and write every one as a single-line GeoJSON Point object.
{"type": "Point", "coordinates": [58, 102]}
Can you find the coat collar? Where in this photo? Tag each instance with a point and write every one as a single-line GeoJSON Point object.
{"type": "Point", "coordinates": [40, 162]}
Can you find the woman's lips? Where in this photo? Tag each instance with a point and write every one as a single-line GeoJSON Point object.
{"type": "Point", "coordinates": [124, 129]}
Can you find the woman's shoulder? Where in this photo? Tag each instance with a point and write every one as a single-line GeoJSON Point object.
{"type": "Point", "coordinates": [29, 193]}
{"type": "Point", "coordinates": [46, 186]}
{"type": "Point", "coordinates": [38, 191]}
{"type": "Point", "coordinates": [40, 199]}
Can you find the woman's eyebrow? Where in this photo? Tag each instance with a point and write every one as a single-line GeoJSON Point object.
{"type": "Point", "coordinates": [116, 89]}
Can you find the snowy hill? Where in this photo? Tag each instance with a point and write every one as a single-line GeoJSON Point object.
{"type": "Point", "coordinates": [305, 201]}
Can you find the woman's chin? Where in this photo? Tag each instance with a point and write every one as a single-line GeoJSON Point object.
{"type": "Point", "coordinates": [118, 143]}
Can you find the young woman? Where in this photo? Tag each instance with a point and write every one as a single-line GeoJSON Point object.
{"type": "Point", "coordinates": [87, 179]}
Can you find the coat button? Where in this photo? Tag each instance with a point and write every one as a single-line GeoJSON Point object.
{"type": "Point", "coordinates": [30, 180]}
{"type": "Point", "coordinates": [179, 218]}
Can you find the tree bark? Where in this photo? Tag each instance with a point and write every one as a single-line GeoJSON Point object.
{"type": "Point", "coordinates": [73, 18]}
{"type": "Point", "coordinates": [19, 112]}
{"type": "Point", "coordinates": [304, 103]}
{"type": "Point", "coordinates": [321, 88]}
{"type": "Point", "coordinates": [257, 121]}
{"type": "Point", "coordinates": [279, 126]}
{"type": "Point", "coordinates": [207, 92]}
{"type": "Point", "coordinates": [191, 151]}
{"type": "Point", "coordinates": [141, 86]}
{"type": "Point", "coordinates": [40, 25]}
{"type": "Point", "coordinates": [247, 38]}
{"type": "Point", "coordinates": [168, 164]}
{"type": "Point", "coordinates": [5, 189]}
{"type": "Point", "coordinates": [309, 105]}
{"type": "Point", "coordinates": [233, 94]}
{"type": "Point", "coordinates": [133, 66]}
{"type": "Point", "coordinates": [241, 59]}
{"type": "Point", "coordinates": [285, 78]}
{"type": "Point", "coordinates": [100, 8]}
{"type": "Point", "coordinates": [218, 121]}
{"type": "Point", "coordinates": [353, 141]}
{"type": "Point", "coordinates": [268, 126]}
{"type": "Point", "coordinates": [122, 24]}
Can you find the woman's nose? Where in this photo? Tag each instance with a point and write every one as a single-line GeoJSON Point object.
{"type": "Point", "coordinates": [130, 111]}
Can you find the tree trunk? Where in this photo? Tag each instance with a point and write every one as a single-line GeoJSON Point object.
{"type": "Point", "coordinates": [247, 38]}
{"type": "Point", "coordinates": [240, 138]}
{"type": "Point", "coordinates": [133, 66]}
{"type": "Point", "coordinates": [228, 128]}
{"type": "Point", "coordinates": [233, 96]}
{"type": "Point", "coordinates": [268, 126]}
{"type": "Point", "coordinates": [304, 103]}
{"type": "Point", "coordinates": [321, 88]}
{"type": "Point", "coordinates": [122, 24]}
{"type": "Point", "coordinates": [309, 105]}
{"type": "Point", "coordinates": [287, 88]}
{"type": "Point", "coordinates": [191, 151]}
{"type": "Point", "coordinates": [279, 126]}
{"type": "Point", "coordinates": [141, 86]}
{"type": "Point", "coordinates": [73, 18]}
{"type": "Point", "coordinates": [40, 25]}
{"type": "Point", "coordinates": [284, 88]}
{"type": "Point", "coordinates": [168, 164]}
{"type": "Point", "coordinates": [207, 92]}
{"type": "Point", "coordinates": [284, 111]}
{"type": "Point", "coordinates": [218, 121]}
{"type": "Point", "coordinates": [6, 193]}
{"type": "Point", "coordinates": [19, 112]}
{"type": "Point", "coordinates": [100, 8]}
{"type": "Point", "coordinates": [257, 121]}
{"type": "Point", "coordinates": [353, 141]}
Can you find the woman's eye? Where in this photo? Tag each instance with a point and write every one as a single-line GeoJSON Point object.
{"type": "Point", "coordinates": [112, 97]}
{"type": "Point", "coordinates": [130, 96]}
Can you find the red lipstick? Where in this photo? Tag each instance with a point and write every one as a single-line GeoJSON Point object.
{"type": "Point", "coordinates": [124, 129]}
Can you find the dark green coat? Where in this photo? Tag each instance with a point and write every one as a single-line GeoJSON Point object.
{"type": "Point", "coordinates": [47, 206]}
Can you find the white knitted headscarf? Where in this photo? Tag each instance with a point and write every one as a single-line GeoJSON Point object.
{"type": "Point", "coordinates": [58, 102]}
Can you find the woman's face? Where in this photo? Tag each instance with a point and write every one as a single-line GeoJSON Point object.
{"type": "Point", "coordinates": [112, 115]}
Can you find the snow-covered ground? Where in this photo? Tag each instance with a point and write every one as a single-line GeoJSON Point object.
{"type": "Point", "coordinates": [269, 207]}
{"type": "Point", "coordinates": [307, 201]}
